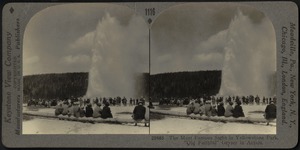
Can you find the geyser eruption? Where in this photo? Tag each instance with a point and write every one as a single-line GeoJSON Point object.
{"type": "Point", "coordinates": [250, 58]}
{"type": "Point", "coordinates": [119, 53]}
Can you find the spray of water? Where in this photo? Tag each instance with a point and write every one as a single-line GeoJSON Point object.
{"type": "Point", "coordinates": [119, 53]}
{"type": "Point", "coordinates": [250, 57]}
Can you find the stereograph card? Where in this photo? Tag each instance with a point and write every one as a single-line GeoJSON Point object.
{"type": "Point", "coordinates": [150, 74]}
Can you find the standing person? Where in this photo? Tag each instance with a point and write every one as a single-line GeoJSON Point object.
{"type": "Point", "coordinates": [100, 100]}
{"type": "Point", "coordinates": [244, 100]}
{"type": "Point", "coordinates": [119, 101]}
{"type": "Point", "coordinates": [270, 112]}
{"type": "Point", "coordinates": [89, 110]}
{"type": "Point", "coordinates": [137, 101]}
{"type": "Point", "coordinates": [221, 109]}
{"type": "Point", "coordinates": [229, 110]}
{"type": "Point", "coordinates": [139, 113]}
{"type": "Point", "coordinates": [97, 100]}
{"type": "Point", "coordinates": [238, 110]}
{"type": "Point", "coordinates": [130, 101]}
{"type": "Point", "coordinates": [105, 101]}
{"type": "Point", "coordinates": [247, 100]}
{"type": "Point", "coordinates": [97, 111]}
{"type": "Point", "coordinates": [106, 112]}
{"type": "Point", "coordinates": [257, 100]}
{"type": "Point", "coordinates": [114, 101]}
{"type": "Point", "coordinates": [124, 101]}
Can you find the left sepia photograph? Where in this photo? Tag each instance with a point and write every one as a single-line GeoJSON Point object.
{"type": "Point", "coordinates": [86, 71]}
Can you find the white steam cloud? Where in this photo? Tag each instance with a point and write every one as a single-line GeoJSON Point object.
{"type": "Point", "coordinates": [119, 52]}
{"type": "Point", "coordinates": [250, 57]}
{"type": "Point", "coordinates": [245, 52]}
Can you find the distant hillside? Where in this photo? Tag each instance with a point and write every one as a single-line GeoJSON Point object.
{"type": "Point", "coordinates": [48, 86]}
{"type": "Point", "coordinates": [185, 84]}
{"type": "Point", "coordinates": [176, 84]}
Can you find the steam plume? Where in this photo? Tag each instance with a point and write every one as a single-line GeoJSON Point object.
{"type": "Point", "coordinates": [119, 53]}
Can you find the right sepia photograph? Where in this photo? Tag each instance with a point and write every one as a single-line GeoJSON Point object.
{"type": "Point", "coordinates": [212, 70]}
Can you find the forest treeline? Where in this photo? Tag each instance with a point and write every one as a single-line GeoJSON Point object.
{"type": "Point", "coordinates": [52, 86]}
{"type": "Point", "coordinates": [175, 84]}
{"type": "Point", "coordinates": [185, 84]}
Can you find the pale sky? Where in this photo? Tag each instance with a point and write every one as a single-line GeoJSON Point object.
{"type": "Point", "coordinates": [59, 38]}
{"type": "Point", "coordinates": [188, 37]}
{"type": "Point", "coordinates": [192, 37]}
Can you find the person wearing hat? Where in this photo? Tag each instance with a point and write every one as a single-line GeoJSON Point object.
{"type": "Point", "coordinates": [208, 108]}
{"type": "Point", "coordinates": [270, 112]}
{"type": "Point", "coordinates": [89, 110]}
{"type": "Point", "coordinates": [139, 112]}
{"type": "Point", "coordinates": [238, 110]}
{"type": "Point", "coordinates": [65, 108]}
{"type": "Point", "coordinates": [81, 111]}
{"type": "Point", "coordinates": [229, 110]}
{"type": "Point", "coordinates": [214, 110]}
{"type": "Point", "coordinates": [197, 107]}
{"type": "Point", "coordinates": [76, 109]}
{"type": "Point", "coordinates": [190, 108]}
{"type": "Point", "coordinates": [221, 109]}
{"type": "Point", "coordinates": [106, 112]}
{"type": "Point", "coordinates": [59, 110]}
